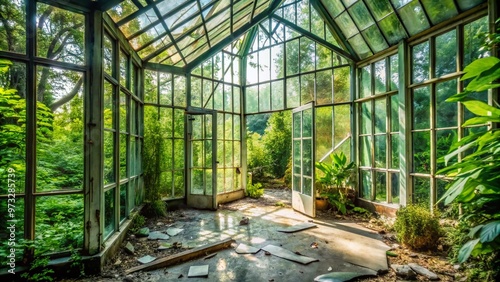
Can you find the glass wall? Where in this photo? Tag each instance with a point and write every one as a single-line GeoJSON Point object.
{"type": "Point", "coordinates": [42, 114]}
{"type": "Point", "coordinates": [436, 123]}
{"type": "Point", "coordinates": [215, 85]}
{"type": "Point", "coordinates": [378, 131]}
{"type": "Point", "coordinates": [164, 141]}
{"type": "Point", "coordinates": [123, 136]}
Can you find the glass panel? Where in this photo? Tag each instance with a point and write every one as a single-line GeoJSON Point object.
{"type": "Point", "coordinates": [421, 108]}
{"type": "Point", "coordinates": [380, 187]}
{"type": "Point", "coordinates": [228, 97]}
{"type": "Point", "coordinates": [360, 47]}
{"type": "Point", "coordinates": [366, 151]}
{"type": "Point", "coordinates": [380, 115]}
{"type": "Point", "coordinates": [264, 68]}
{"type": "Point", "coordinates": [123, 112]}
{"type": "Point", "coordinates": [292, 90]}
{"type": "Point", "coordinates": [324, 93]}
{"type": "Point", "coordinates": [166, 184]}
{"type": "Point", "coordinates": [394, 113]}
{"type": "Point", "coordinates": [360, 15]}
{"type": "Point", "coordinates": [467, 4]}
{"type": "Point", "coordinates": [195, 92]}
{"type": "Point", "coordinates": [392, 29]}
{"type": "Point", "coordinates": [446, 53]}
{"type": "Point", "coordinates": [375, 39]}
{"type": "Point", "coordinates": [421, 152]}
{"type": "Point", "coordinates": [379, 8]}
{"type": "Point", "coordinates": [366, 117]}
{"type": "Point", "coordinates": [123, 201]}
{"type": "Point", "coordinates": [346, 24]}
{"type": "Point", "coordinates": [122, 10]}
{"type": "Point", "coordinates": [179, 154]}
{"type": "Point", "coordinates": [264, 97]}
{"type": "Point", "coordinates": [150, 86]}
{"type": "Point", "coordinates": [197, 181]}
{"type": "Point", "coordinates": [236, 99]}
{"type": "Point", "coordinates": [123, 68]}
{"type": "Point", "coordinates": [109, 212]}
{"type": "Point", "coordinates": [123, 156]}
{"type": "Point", "coordinates": [420, 66]}
{"type": "Point", "coordinates": [365, 85]}
{"type": "Point", "coordinates": [395, 187]}
{"type": "Point", "coordinates": [380, 77]}
{"type": "Point", "coordinates": [252, 65]}
{"type": "Point", "coordinates": [394, 74]}
{"type": "Point", "coordinates": [60, 35]}
{"type": "Point", "coordinates": [472, 42]}
{"type": "Point", "coordinates": [324, 131]}
{"type": "Point", "coordinates": [413, 17]}
{"type": "Point", "coordinates": [297, 125]}
{"type": "Point", "coordinates": [306, 88]}
{"type": "Point", "coordinates": [307, 54]}
{"type": "Point", "coordinates": [292, 57]}
{"type": "Point", "coordinates": [366, 184]}
{"type": "Point", "coordinates": [307, 123]}
{"type": "Point", "coordinates": [277, 99]}
{"type": "Point", "coordinates": [380, 149]}
{"type": "Point", "coordinates": [14, 29]}
{"type": "Point", "coordinates": [165, 89]}
{"type": "Point", "coordinates": [180, 91]}
{"type": "Point", "coordinates": [107, 54]}
{"type": "Point", "coordinates": [324, 59]}
{"type": "Point", "coordinates": [218, 99]}
{"type": "Point", "coordinates": [252, 99]}
{"type": "Point", "coordinates": [445, 138]}
{"type": "Point", "coordinates": [109, 172]}
{"type": "Point", "coordinates": [342, 84]}
{"type": "Point", "coordinates": [277, 61]}
{"type": "Point", "coordinates": [342, 125]}
{"type": "Point", "coordinates": [59, 144]}
{"type": "Point", "coordinates": [439, 11]}
{"type": "Point", "coordinates": [395, 151]}
{"type": "Point", "coordinates": [59, 223]}
{"type": "Point", "coordinates": [422, 189]}
{"type": "Point", "coordinates": [179, 184]}
{"type": "Point", "coordinates": [333, 7]}
{"type": "Point", "coordinates": [446, 112]}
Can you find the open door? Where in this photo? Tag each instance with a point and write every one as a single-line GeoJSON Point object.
{"type": "Point", "coordinates": [303, 191]}
{"type": "Point", "coordinates": [202, 159]}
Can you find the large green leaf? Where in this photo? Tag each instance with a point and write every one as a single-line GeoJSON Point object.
{"type": "Point", "coordinates": [490, 231]}
{"type": "Point", "coordinates": [466, 250]}
{"type": "Point", "coordinates": [453, 154]}
{"type": "Point", "coordinates": [480, 108]}
{"type": "Point", "coordinates": [478, 66]}
{"type": "Point", "coordinates": [485, 80]}
{"type": "Point", "coordinates": [4, 65]}
{"type": "Point", "coordinates": [480, 120]}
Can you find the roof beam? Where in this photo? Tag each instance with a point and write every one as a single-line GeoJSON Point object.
{"type": "Point", "coordinates": [235, 35]}
{"type": "Point", "coordinates": [337, 33]}
{"type": "Point", "coordinates": [316, 38]}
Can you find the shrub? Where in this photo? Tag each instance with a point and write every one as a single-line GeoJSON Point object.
{"type": "Point", "coordinates": [254, 190]}
{"type": "Point", "coordinates": [156, 208]}
{"type": "Point", "coordinates": [417, 228]}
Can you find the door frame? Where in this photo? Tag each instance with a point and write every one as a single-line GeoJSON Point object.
{"type": "Point", "coordinates": [201, 201]}
{"type": "Point", "coordinates": [304, 203]}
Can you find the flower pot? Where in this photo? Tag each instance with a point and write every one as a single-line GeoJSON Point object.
{"type": "Point", "coordinates": [322, 204]}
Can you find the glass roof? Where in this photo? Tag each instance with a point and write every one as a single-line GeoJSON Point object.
{"type": "Point", "coordinates": [176, 32]}
{"type": "Point", "coordinates": [371, 26]}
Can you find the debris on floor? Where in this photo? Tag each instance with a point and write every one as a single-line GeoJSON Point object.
{"type": "Point", "coordinates": [297, 227]}
{"type": "Point", "coordinates": [174, 231]}
{"type": "Point", "coordinates": [286, 254]}
{"type": "Point", "coordinates": [183, 256]}
{"type": "Point", "coordinates": [244, 221]}
{"type": "Point", "coordinates": [423, 271]}
{"type": "Point", "coordinates": [198, 271]}
{"type": "Point", "coordinates": [158, 235]}
{"type": "Point", "coordinates": [404, 271]}
{"type": "Point", "coordinates": [143, 232]}
{"type": "Point", "coordinates": [245, 249]}
{"type": "Point", "coordinates": [210, 256]}
{"type": "Point", "coordinates": [343, 276]}
{"type": "Point", "coordinates": [129, 248]}
{"type": "Point", "coordinates": [165, 245]}
{"type": "Point", "coordinates": [146, 259]}
{"type": "Point", "coordinates": [314, 245]}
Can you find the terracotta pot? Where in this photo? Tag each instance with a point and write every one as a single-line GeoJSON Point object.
{"type": "Point", "coordinates": [321, 204]}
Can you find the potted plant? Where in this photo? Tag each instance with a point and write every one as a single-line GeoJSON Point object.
{"type": "Point", "coordinates": [338, 176]}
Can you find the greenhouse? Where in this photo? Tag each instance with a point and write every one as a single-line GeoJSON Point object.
{"type": "Point", "coordinates": [108, 108]}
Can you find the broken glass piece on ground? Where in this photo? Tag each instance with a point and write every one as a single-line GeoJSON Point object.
{"type": "Point", "coordinates": [129, 248]}
{"type": "Point", "coordinates": [143, 232]}
{"type": "Point", "coordinates": [174, 231]}
{"type": "Point", "coordinates": [198, 271]}
{"type": "Point", "coordinates": [157, 235]}
{"type": "Point", "coordinates": [343, 276]}
{"type": "Point", "coordinates": [286, 254]}
{"type": "Point", "coordinates": [245, 249]}
{"type": "Point", "coordinates": [297, 227]}
{"type": "Point", "coordinates": [146, 259]}
{"type": "Point", "coordinates": [165, 245]}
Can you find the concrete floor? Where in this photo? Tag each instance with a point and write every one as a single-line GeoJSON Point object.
{"type": "Point", "coordinates": [341, 246]}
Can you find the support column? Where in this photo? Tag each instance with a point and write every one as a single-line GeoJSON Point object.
{"type": "Point", "coordinates": [94, 138]}
{"type": "Point", "coordinates": [405, 156]}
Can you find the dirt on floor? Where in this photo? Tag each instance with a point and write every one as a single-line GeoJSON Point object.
{"type": "Point", "coordinates": [280, 197]}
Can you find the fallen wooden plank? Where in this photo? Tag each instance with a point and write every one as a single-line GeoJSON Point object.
{"type": "Point", "coordinates": [184, 256]}
{"type": "Point", "coordinates": [297, 227]}
{"type": "Point", "coordinates": [286, 254]}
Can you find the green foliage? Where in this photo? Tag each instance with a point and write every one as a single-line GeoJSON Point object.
{"type": "Point", "coordinates": [417, 227]}
{"type": "Point", "coordinates": [254, 190]}
{"type": "Point", "coordinates": [337, 174]}
{"type": "Point", "coordinates": [256, 156]}
{"type": "Point", "coordinates": [137, 223]}
{"type": "Point", "coordinates": [156, 208]}
{"type": "Point", "coordinates": [278, 142]}
{"type": "Point", "coordinates": [39, 271]}
{"type": "Point", "coordinates": [476, 176]}
{"type": "Point", "coordinates": [76, 267]}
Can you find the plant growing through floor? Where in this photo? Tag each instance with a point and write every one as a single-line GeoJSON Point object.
{"type": "Point", "coordinates": [477, 174]}
{"type": "Point", "coordinates": [39, 271]}
{"type": "Point", "coordinates": [77, 267]}
{"type": "Point", "coordinates": [335, 182]}
{"type": "Point", "coordinates": [417, 227]}
{"type": "Point", "coordinates": [254, 190]}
